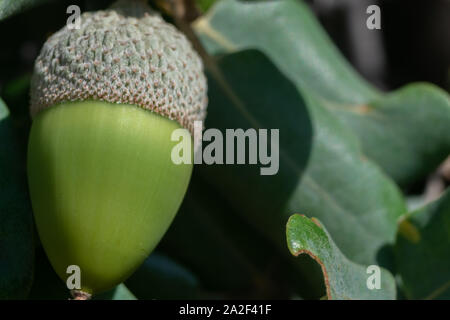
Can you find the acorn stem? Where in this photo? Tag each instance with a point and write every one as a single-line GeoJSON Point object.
{"type": "Point", "coordinates": [80, 295]}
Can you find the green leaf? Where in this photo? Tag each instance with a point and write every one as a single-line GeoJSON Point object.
{"type": "Point", "coordinates": [388, 125]}
{"type": "Point", "coordinates": [121, 292]}
{"type": "Point", "coordinates": [204, 5]}
{"type": "Point", "coordinates": [423, 250]}
{"type": "Point", "coordinates": [10, 7]}
{"type": "Point", "coordinates": [343, 279]}
{"type": "Point", "coordinates": [16, 225]}
{"type": "Point", "coordinates": [161, 278]}
{"type": "Point", "coordinates": [322, 171]}
{"type": "Point", "coordinates": [288, 33]}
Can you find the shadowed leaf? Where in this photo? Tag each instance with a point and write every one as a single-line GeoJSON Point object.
{"type": "Point", "coordinates": [161, 278]}
{"type": "Point", "coordinates": [228, 256]}
{"type": "Point", "coordinates": [16, 225]}
{"type": "Point", "coordinates": [46, 283]}
{"type": "Point", "coordinates": [423, 250]}
{"type": "Point", "coordinates": [321, 168]}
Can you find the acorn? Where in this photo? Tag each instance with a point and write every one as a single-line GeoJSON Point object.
{"type": "Point", "coordinates": [105, 100]}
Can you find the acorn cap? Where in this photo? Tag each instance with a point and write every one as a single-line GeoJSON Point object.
{"type": "Point", "coordinates": [124, 55]}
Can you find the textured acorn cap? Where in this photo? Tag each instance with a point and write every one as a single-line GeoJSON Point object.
{"type": "Point", "coordinates": [126, 55]}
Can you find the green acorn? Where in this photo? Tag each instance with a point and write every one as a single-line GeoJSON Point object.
{"type": "Point", "coordinates": [105, 100]}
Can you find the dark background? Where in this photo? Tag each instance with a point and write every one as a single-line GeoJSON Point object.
{"type": "Point", "coordinates": [413, 44]}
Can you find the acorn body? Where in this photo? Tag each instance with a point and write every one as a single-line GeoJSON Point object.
{"type": "Point", "coordinates": [103, 186]}
{"type": "Point", "coordinates": [104, 189]}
